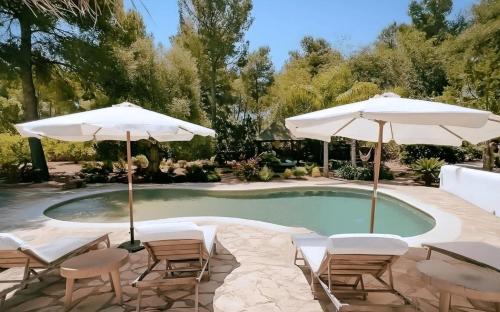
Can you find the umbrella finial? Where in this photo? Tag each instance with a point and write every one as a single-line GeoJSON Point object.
{"type": "Point", "coordinates": [387, 95]}
{"type": "Point", "coordinates": [126, 104]}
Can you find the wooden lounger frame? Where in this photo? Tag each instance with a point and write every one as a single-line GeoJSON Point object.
{"type": "Point", "coordinates": [30, 261]}
{"type": "Point", "coordinates": [355, 266]}
{"type": "Point", "coordinates": [189, 252]}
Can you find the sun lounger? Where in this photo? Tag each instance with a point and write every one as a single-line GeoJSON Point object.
{"type": "Point", "coordinates": [185, 248]}
{"type": "Point", "coordinates": [306, 239]}
{"type": "Point", "coordinates": [341, 262]}
{"type": "Point", "coordinates": [14, 252]}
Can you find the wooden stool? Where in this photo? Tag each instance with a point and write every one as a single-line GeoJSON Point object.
{"type": "Point", "coordinates": [466, 281]}
{"type": "Point", "coordinates": [92, 264]}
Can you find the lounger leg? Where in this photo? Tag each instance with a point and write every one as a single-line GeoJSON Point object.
{"type": "Point", "coordinates": [115, 275]}
{"type": "Point", "coordinates": [196, 297]}
{"type": "Point", "coordinates": [362, 286]}
{"type": "Point", "coordinates": [111, 282]}
{"type": "Point", "coordinates": [69, 292]}
{"type": "Point", "coordinates": [26, 274]}
{"type": "Point", "coordinates": [139, 297]}
{"type": "Point", "coordinates": [208, 269]}
{"type": "Point", "coordinates": [444, 301]}
{"type": "Point", "coordinates": [497, 307]}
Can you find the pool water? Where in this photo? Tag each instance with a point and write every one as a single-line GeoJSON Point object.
{"type": "Point", "coordinates": [324, 210]}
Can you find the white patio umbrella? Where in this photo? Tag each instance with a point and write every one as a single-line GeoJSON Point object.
{"type": "Point", "coordinates": [121, 122]}
{"type": "Point", "coordinates": [389, 117]}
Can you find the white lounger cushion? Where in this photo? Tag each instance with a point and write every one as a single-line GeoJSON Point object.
{"type": "Point", "coordinates": [308, 239]}
{"type": "Point", "coordinates": [48, 252]}
{"type": "Point", "coordinates": [149, 232]}
{"type": "Point", "coordinates": [60, 247]}
{"type": "Point", "coordinates": [367, 244]}
{"type": "Point", "coordinates": [10, 242]}
{"type": "Point", "coordinates": [352, 244]}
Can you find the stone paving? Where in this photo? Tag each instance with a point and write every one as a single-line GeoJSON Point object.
{"type": "Point", "coordinates": [252, 271]}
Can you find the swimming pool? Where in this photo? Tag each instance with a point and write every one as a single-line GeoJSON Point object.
{"type": "Point", "coordinates": [324, 210]}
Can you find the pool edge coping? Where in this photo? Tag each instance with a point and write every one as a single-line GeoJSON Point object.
{"type": "Point", "coordinates": [447, 226]}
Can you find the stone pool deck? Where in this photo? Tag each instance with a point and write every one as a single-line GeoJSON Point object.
{"type": "Point", "coordinates": [253, 270]}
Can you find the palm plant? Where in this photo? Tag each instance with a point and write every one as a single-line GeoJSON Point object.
{"type": "Point", "coordinates": [428, 169]}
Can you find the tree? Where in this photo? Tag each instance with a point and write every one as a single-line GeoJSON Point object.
{"type": "Point", "coordinates": [257, 76]}
{"type": "Point", "coordinates": [473, 64]}
{"type": "Point", "coordinates": [36, 42]}
{"type": "Point", "coordinates": [429, 16]}
{"type": "Point", "coordinates": [317, 53]}
{"type": "Point", "coordinates": [220, 25]}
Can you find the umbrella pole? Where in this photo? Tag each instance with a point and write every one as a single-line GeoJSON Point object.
{"type": "Point", "coordinates": [376, 173]}
{"type": "Point", "coordinates": [130, 195]}
{"type": "Point", "coordinates": [325, 159]}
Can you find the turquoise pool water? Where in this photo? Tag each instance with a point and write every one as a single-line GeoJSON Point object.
{"type": "Point", "coordinates": [324, 210]}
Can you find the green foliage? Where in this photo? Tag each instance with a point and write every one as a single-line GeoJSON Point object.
{"type": "Point", "coordinates": [213, 176]}
{"type": "Point", "coordinates": [266, 174]}
{"type": "Point", "coordinates": [287, 174]}
{"type": "Point", "coordinates": [120, 166]}
{"type": "Point", "coordinates": [429, 16]}
{"type": "Point", "coordinates": [219, 26]}
{"type": "Point", "coordinates": [195, 172]}
{"type": "Point", "coordinates": [14, 150]}
{"type": "Point", "coordinates": [270, 160]}
{"type": "Point", "coordinates": [299, 172]}
{"type": "Point", "coordinates": [68, 151]}
{"type": "Point", "coordinates": [92, 167]}
{"type": "Point", "coordinates": [411, 153]}
{"type": "Point", "coordinates": [347, 171]}
{"type": "Point", "coordinates": [472, 59]}
{"type": "Point", "coordinates": [427, 169]}
{"type": "Point", "coordinates": [141, 162]}
{"type": "Point", "coordinates": [315, 172]}
{"type": "Point", "coordinates": [247, 170]}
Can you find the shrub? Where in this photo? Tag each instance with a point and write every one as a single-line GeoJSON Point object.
{"type": "Point", "coordinates": [120, 166]}
{"type": "Point", "coordinates": [266, 174]}
{"type": "Point", "coordinates": [56, 150]}
{"type": "Point", "coordinates": [92, 167]}
{"type": "Point", "coordinates": [287, 174]}
{"type": "Point", "coordinates": [315, 172]}
{"type": "Point", "coordinates": [247, 170]}
{"type": "Point", "coordinates": [411, 153]}
{"type": "Point", "coordinates": [213, 176]}
{"type": "Point", "coordinates": [347, 171]}
{"type": "Point", "coordinates": [141, 162]}
{"type": "Point", "coordinates": [299, 172]}
{"type": "Point", "coordinates": [336, 164]}
{"type": "Point", "coordinates": [427, 169]}
{"type": "Point", "coordinates": [309, 167]}
{"type": "Point", "coordinates": [14, 150]}
{"type": "Point", "coordinates": [195, 172]}
{"type": "Point", "coordinates": [270, 160]}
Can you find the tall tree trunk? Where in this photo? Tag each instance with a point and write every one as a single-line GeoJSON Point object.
{"type": "Point", "coordinates": [213, 102]}
{"type": "Point", "coordinates": [353, 153]}
{"type": "Point", "coordinates": [30, 101]}
{"type": "Point", "coordinates": [488, 157]}
{"type": "Point", "coordinates": [154, 158]}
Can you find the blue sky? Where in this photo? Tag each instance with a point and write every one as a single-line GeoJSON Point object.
{"type": "Point", "coordinates": [281, 24]}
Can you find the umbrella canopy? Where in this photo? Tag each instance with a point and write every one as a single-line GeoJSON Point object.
{"type": "Point", "coordinates": [121, 122]}
{"type": "Point", "coordinates": [112, 123]}
{"type": "Point", "coordinates": [408, 121]}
